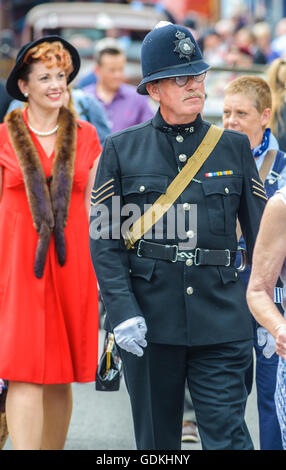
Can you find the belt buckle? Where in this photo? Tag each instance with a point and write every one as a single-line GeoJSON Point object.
{"type": "Point", "coordinates": [275, 177]}
{"type": "Point", "coordinates": [243, 263]}
{"type": "Point", "coordinates": [185, 255]}
{"type": "Point", "coordinates": [176, 253]}
{"type": "Point", "coordinates": [195, 256]}
{"type": "Point", "coordinates": [138, 249]}
{"type": "Point", "coordinates": [228, 257]}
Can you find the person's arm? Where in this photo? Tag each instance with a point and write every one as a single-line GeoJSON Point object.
{"type": "Point", "coordinates": [98, 117]}
{"type": "Point", "coordinates": [268, 258]}
{"type": "Point", "coordinates": [108, 253]}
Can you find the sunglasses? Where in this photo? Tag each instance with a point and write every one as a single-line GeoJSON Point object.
{"type": "Point", "coordinates": [182, 81]}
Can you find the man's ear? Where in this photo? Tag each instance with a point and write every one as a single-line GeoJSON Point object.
{"type": "Point", "coordinates": [265, 117]}
{"type": "Point", "coordinates": [153, 90]}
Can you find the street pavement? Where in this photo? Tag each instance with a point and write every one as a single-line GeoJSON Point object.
{"type": "Point", "coordinates": [102, 420]}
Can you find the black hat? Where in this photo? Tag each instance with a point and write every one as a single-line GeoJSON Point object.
{"type": "Point", "coordinates": [12, 81]}
{"type": "Point", "coordinates": [169, 50]}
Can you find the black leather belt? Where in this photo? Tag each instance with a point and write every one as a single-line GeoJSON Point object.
{"type": "Point", "coordinates": [200, 256]}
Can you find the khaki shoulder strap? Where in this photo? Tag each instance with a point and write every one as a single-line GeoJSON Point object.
{"type": "Point", "coordinates": [267, 164]}
{"type": "Point", "coordinates": [177, 186]}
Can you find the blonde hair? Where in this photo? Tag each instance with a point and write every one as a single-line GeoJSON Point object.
{"type": "Point", "coordinates": [253, 86]}
{"type": "Point", "coordinates": [276, 76]}
{"type": "Point", "coordinates": [261, 29]}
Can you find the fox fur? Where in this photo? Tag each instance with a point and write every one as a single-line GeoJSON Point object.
{"type": "Point", "coordinates": [49, 199]}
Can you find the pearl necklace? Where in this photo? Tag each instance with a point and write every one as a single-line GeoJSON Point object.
{"type": "Point", "coordinates": [43, 134]}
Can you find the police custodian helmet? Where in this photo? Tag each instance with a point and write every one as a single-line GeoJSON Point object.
{"type": "Point", "coordinates": [169, 50]}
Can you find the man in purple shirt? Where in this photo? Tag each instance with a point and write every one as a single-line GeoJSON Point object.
{"type": "Point", "coordinates": [124, 106]}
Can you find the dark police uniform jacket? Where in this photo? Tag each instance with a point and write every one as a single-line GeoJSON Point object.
{"type": "Point", "coordinates": [183, 304]}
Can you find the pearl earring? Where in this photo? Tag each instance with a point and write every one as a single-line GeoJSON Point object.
{"type": "Point", "coordinates": [26, 94]}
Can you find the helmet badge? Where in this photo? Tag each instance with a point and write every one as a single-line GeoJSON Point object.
{"type": "Point", "coordinates": [184, 46]}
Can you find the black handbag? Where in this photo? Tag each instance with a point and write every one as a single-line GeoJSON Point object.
{"type": "Point", "coordinates": [109, 368]}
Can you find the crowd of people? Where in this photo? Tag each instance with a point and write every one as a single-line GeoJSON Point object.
{"type": "Point", "coordinates": [184, 320]}
{"type": "Point", "coordinates": [240, 41]}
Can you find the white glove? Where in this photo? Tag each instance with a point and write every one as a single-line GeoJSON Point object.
{"type": "Point", "coordinates": [130, 335]}
{"type": "Point", "coordinates": [265, 338]}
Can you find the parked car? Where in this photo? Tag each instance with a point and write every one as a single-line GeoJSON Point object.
{"type": "Point", "coordinates": [83, 24]}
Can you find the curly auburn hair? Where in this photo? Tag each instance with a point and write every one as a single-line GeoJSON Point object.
{"type": "Point", "coordinates": [51, 54]}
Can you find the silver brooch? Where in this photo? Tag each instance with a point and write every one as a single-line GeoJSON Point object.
{"type": "Point", "coordinates": [184, 46]}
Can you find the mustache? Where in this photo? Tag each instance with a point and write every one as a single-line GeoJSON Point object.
{"type": "Point", "coordinates": [193, 94]}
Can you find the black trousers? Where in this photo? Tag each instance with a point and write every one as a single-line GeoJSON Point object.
{"type": "Point", "coordinates": [216, 380]}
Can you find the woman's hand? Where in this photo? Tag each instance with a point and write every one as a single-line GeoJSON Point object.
{"type": "Point", "coordinates": [281, 340]}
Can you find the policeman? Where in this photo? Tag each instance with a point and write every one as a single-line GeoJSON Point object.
{"type": "Point", "coordinates": [173, 296]}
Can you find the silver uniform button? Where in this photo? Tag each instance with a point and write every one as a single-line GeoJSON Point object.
{"type": "Point", "coordinates": [190, 290]}
{"type": "Point", "coordinates": [142, 189]}
{"type": "Point", "coordinates": [226, 190]}
{"type": "Point", "coordinates": [190, 233]}
{"type": "Point", "coordinates": [180, 138]}
{"type": "Point", "coordinates": [186, 206]}
{"type": "Point", "coordinates": [183, 157]}
{"type": "Point", "coordinates": [189, 262]}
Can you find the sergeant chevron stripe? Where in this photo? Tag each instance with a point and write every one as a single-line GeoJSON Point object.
{"type": "Point", "coordinates": [257, 182]}
{"type": "Point", "coordinates": [103, 192]}
{"type": "Point", "coordinates": [258, 189]}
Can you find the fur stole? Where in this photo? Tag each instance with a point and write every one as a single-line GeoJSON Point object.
{"type": "Point", "coordinates": [48, 200]}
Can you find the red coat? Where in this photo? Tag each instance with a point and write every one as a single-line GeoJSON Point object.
{"type": "Point", "coordinates": [48, 326]}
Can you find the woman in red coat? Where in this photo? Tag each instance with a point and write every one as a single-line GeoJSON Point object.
{"type": "Point", "coordinates": [48, 290]}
